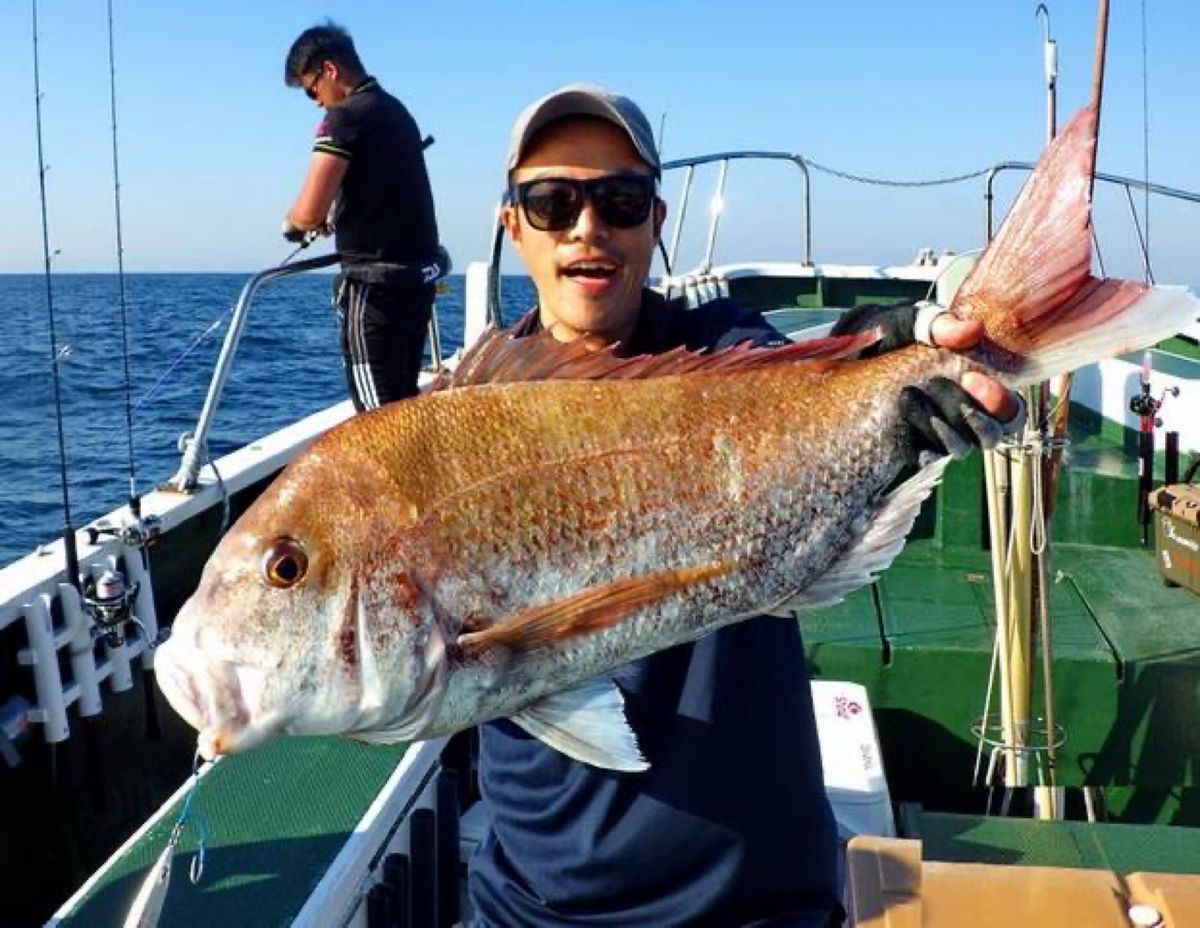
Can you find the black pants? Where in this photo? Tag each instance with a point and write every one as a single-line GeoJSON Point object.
{"type": "Point", "coordinates": [382, 330]}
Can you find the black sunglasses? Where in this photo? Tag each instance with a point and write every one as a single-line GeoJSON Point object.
{"type": "Point", "coordinates": [553, 204]}
{"type": "Point", "coordinates": [310, 90]}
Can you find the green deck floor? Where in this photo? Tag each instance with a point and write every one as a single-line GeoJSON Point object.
{"type": "Point", "coordinates": [276, 819]}
{"type": "Point", "coordinates": [1124, 849]}
{"type": "Point", "coordinates": [1126, 647]}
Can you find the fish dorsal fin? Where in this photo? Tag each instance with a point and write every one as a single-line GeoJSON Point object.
{"type": "Point", "coordinates": [500, 357]}
{"type": "Point", "coordinates": [876, 547]}
{"type": "Point", "coordinates": [587, 611]}
{"type": "Point", "coordinates": [587, 723]}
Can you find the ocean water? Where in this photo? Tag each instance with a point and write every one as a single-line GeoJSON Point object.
{"type": "Point", "coordinates": [287, 366]}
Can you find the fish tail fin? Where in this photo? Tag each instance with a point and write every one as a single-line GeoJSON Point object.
{"type": "Point", "coordinates": [1033, 290]}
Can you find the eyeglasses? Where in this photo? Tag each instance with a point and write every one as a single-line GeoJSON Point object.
{"type": "Point", "coordinates": [310, 90]}
{"type": "Point", "coordinates": [553, 204]}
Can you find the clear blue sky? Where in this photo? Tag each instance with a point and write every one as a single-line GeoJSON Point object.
{"type": "Point", "coordinates": [213, 146]}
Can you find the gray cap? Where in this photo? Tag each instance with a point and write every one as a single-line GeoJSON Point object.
{"type": "Point", "coordinates": [584, 100]}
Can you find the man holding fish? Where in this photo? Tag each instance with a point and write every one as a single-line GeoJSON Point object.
{"type": "Point", "coordinates": [730, 824]}
{"type": "Point", "coordinates": [580, 536]}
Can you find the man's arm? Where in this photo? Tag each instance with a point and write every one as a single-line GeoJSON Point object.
{"type": "Point", "coordinates": [325, 175]}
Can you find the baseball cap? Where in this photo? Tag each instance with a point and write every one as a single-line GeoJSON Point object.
{"type": "Point", "coordinates": [584, 100]}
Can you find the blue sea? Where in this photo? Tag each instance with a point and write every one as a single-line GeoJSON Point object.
{"type": "Point", "coordinates": [288, 365]}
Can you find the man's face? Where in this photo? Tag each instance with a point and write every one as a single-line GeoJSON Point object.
{"type": "Point", "coordinates": [325, 85]}
{"type": "Point", "coordinates": [589, 276]}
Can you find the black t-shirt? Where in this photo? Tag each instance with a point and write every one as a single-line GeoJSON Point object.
{"type": "Point", "coordinates": [385, 207]}
{"type": "Point", "coordinates": [730, 826]}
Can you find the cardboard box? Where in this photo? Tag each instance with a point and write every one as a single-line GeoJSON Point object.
{"type": "Point", "coordinates": [1177, 533]}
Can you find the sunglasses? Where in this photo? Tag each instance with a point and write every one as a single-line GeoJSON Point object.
{"type": "Point", "coordinates": [553, 204]}
{"type": "Point", "coordinates": [310, 90]}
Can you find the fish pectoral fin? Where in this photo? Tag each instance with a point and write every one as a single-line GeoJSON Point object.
{"type": "Point", "coordinates": [875, 549]}
{"type": "Point", "coordinates": [587, 723]}
{"type": "Point", "coordinates": [588, 611]}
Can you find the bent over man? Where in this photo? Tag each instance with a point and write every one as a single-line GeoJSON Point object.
{"type": "Point", "coordinates": [367, 184]}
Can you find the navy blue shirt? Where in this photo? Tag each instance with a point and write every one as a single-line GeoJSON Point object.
{"type": "Point", "coordinates": [730, 826]}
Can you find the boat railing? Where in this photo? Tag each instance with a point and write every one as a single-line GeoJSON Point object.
{"type": "Point", "coordinates": [195, 445]}
{"type": "Point", "coordinates": [689, 165]}
{"type": "Point", "coordinates": [1127, 184]}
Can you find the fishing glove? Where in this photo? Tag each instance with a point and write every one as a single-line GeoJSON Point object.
{"type": "Point", "coordinates": [941, 418]}
{"type": "Point", "coordinates": [291, 233]}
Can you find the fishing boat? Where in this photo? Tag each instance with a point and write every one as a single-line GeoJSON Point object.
{"type": "Point", "coordinates": [1096, 785]}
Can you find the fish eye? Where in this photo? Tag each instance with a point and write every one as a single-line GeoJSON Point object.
{"type": "Point", "coordinates": [285, 563]}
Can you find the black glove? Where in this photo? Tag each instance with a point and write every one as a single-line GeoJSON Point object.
{"type": "Point", "coordinates": [291, 233]}
{"type": "Point", "coordinates": [942, 418]}
{"type": "Point", "coordinates": [897, 323]}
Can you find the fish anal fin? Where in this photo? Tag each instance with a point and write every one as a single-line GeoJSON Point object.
{"type": "Point", "coordinates": [587, 611]}
{"type": "Point", "coordinates": [587, 723]}
{"type": "Point", "coordinates": [499, 357]}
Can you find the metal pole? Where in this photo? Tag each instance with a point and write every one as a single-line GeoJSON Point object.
{"type": "Point", "coordinates": [683, 205]}
{"type": "Point", "coordinates": [718, 207]}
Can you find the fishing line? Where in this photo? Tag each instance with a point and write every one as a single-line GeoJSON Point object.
{"type": "Point", "coordinates": [158, 384]}
{"type": "Point", "coordinates": [135, 503]}
{"type": "Point", "coordinates": [72, 557]}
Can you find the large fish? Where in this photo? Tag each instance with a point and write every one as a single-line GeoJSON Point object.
{"type": "Point", "coordinates": [496, 550]}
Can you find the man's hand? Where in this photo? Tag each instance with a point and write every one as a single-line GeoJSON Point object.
{"type": "Point", "coordinates": [292, 233]}
{"type": "Point", "coordinates": [945, 417]}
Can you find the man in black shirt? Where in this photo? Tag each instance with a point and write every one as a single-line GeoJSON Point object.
{"type": "Point", "coordinates": [368, 185]}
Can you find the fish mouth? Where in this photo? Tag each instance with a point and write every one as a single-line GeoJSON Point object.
{"type": "Point", "coordinates": [213, 697]}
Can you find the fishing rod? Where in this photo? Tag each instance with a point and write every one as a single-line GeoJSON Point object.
{"type": "Point", "coordinates": [135, 502]}
{"type": "Point", "coordinates": [72, 555]}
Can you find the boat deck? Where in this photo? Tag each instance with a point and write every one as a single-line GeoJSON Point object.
{"type": "Point", "coordinates": [1126, 648]}
{"type": "Point", "coordinates": [1122, 849]}
{"type": "Point", "coordinates": [276, 818]}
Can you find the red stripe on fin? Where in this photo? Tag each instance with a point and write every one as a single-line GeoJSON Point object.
{"type": "Point", "coordinates": [498, 357]}
{"type": "Point", "coordinates": [588, 611]}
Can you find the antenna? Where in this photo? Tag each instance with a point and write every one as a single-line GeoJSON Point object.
{"type": "Point", "coordinates": [1050, 66]}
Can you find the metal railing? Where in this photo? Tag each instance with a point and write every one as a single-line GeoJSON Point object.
{"type": "Point", "coordinates": [1128, 184]}
{"type": "Point", "coordinates": [723, 158]}
{"type": "Point", "coordinates": [195, 445]}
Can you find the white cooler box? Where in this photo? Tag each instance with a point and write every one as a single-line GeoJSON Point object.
{"type": "Point", "coordinates": [852, 761]}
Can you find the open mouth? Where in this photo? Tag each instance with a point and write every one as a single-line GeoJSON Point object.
{"type": "Point", "coordinates": [591, 270]}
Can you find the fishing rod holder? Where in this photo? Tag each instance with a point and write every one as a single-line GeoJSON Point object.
{"type": "Point", "coordinates": [1035, 445]}
{"type": "Point", "coordinates": [1037, 745]}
